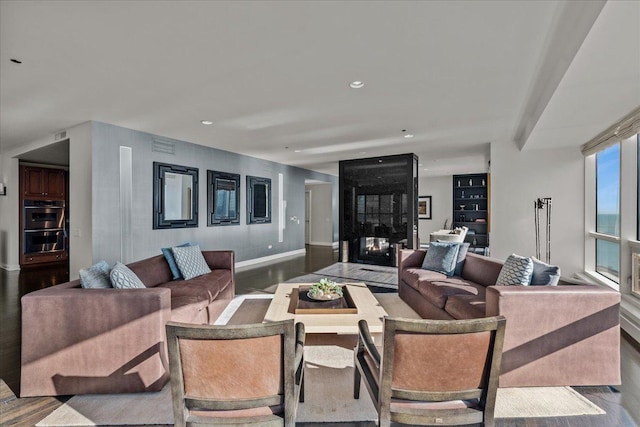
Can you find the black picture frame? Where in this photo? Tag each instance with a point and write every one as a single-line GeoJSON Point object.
{"type": "Point", "coordinates": [258, 200]}
{"type": "Point", "coordinates": [424, 207]}
{"type": "Point", "coordinates": [223, 198]}
{"type": "Point", "coordinates": [162, 218]}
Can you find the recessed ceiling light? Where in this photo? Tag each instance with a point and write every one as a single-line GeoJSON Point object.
{"type": "Point", "coordinates": [357, 84]}
{"type": "Point", "coordinates": [206, 122]}
{"type": "Point", "coordinates": [297, 151]}
{"type": "Point", "coordinates": [408, 135]}
{"type": "Point", "coordinates": [419, 164]}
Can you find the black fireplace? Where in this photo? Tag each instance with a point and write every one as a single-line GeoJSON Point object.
{"type": "Point", "coordinates": [378, 207]}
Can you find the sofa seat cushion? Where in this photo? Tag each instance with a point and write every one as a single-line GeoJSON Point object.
{"type": "Point", "coordinates": [205, 287]}
{"type": "Point", "coordinates": [411, 276]}
{"type": "Point", "coordinates": [189, 309]}
{"type": "Point", "coordinates": [437, 291]}
{"type": "Point", "coordinates": [466, 306]}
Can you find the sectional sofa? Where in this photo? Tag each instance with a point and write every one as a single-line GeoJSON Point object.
{"type": "Point", "coordinates": [78, 341]}
{"type": "Point", "coordinates": [555, 335]}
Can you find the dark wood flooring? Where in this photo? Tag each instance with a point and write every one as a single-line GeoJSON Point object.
{"type": "Point", "coordinates": [25, 412]}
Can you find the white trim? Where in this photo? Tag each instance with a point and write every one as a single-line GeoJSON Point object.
{"type": "Point", "coordinates": [323, 244]}
{"type": "Point", "coordinates": [10, 267]}
{"type": "Point", "coordinates": [602, 280]}
{"type": "Point", "coordinates": [335, 245]}
{"type": "Point", "coordinates": [607, 237]}
{"type": "Point", "coordinates": [634, 244]}
{"type": "Point", "coordinates": [270, 258]}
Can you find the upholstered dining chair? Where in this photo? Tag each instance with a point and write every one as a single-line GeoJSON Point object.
{"type": "Point", "coordinates": [236, 375]}
{"type": "Point", "coordinates": [432, 372]}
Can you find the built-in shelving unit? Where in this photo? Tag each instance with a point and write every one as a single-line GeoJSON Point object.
{"type": "Point", "coordinates": [471, 209]}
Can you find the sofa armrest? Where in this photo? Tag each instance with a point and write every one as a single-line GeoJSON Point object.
{"type": "Point", "coordinates": [411, 258]}
{"type": "Point", "coordinates": [558, 335]}
{"type": "Point", "coordinates": [77, 341]}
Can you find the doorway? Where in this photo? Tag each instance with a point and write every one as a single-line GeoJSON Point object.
{"type": "Point", "coordinates": [318, 213]}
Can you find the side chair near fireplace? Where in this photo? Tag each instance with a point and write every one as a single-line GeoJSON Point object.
{"type": "Point", "coordinates": [246, 374]}
{"type": "Point", "coordinates": [432, 372]}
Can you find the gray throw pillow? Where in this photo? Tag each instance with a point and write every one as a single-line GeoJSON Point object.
{"type": "Point", "coordinates": [441, 257]}
{"type": "Point", "coordinates": [516, 270]}
{"type": "Point", "coordinates": [544, 274]}
{"type": "Point", "coordinates": [190, 261]}
{"type": "Point", "coordinates": [96, 276]}
{"type": "Point", "coordinates": [123, 278]}
{"type": "Point", "coordinates": [171, 260]}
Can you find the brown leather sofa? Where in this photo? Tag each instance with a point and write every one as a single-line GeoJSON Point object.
{"type": "Point", "coordinates": [555, 336]}
{"type": "Point", "coordinates": [78, 341]}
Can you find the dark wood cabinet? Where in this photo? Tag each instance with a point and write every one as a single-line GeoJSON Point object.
{"type": "Point", "coordinates": [471, 209]}
{"type": "Point", "coordinates": [42, 224]}
{"type": "Point", "coordinates": [43, 183]}
{"type": "Point", "coordinates": [37, 259]}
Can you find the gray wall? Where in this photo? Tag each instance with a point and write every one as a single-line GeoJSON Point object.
{"type": "Point", "coordinates": [248, 241]}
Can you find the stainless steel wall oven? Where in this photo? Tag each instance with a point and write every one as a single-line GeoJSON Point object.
{"type": "Point", "coordinates": [44, 226]}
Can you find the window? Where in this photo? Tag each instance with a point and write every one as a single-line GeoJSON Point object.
{"type": "Point", "coordinates": [608, 212]}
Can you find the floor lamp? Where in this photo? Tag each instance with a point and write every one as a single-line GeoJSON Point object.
{"type": "Point", "coordinates": [538, 205]}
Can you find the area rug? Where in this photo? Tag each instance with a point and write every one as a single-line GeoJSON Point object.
{"type": "Point", "coordinates": [329, 385]}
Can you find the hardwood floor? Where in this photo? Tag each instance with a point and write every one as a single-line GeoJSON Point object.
{"type": "Point", "coordinates": [25, 412]}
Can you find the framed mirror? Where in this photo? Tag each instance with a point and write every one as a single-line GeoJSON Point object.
{"type": "Point", "coordinates": [223, 198]}
{"type": "Point", "coordinates": [175, 196]}
{"type": "Point", "coordinates": [258, 200]}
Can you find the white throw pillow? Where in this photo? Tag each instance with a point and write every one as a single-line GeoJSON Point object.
{"type": "Point", "coordinates": [190, 261]}
{"type": "Point", "coordinates": [517, 270]}
{"type": "Point", "coordinates": [123, 278]}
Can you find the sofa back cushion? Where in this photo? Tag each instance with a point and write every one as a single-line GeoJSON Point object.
{"type": "Point", "coordinates": [481, 269]}
{"type": "Point", "coordinates": [152, 271]}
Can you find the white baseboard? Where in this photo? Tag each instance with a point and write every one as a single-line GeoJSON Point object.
{"type": "Point", "coordinates": [332, 244]}
{"type": "Point", "coordinates": [270, 258]}
{"type": "Point", "coordinates": [10, 267]}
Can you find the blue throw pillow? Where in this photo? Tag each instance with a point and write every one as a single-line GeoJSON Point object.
{"type": "Point", "coordinates": [516, 270]}
{"type": "Point", "coordinates": [171, 260]}
{"type": "Point", "coordinates": [544, 274]}
{"type": "Point", "coordinates": [462, 254]}
{"type": "Point", "coordinates": [441, 257]}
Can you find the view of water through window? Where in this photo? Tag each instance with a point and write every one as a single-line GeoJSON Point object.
{"type": "Point", "coordinates": [608, 211]}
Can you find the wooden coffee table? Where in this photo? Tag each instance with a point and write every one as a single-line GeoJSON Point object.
{"type": "Point", "coordinates": [367, 306]}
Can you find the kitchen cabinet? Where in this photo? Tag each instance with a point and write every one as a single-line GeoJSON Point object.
{"type": "Point", "coordinates": [43, 183]}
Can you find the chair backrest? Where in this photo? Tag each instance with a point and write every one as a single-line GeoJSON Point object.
{"type": "Point", "coordinates": [442, 361]}
{"type": "Point", "coordinates": [232, 371]}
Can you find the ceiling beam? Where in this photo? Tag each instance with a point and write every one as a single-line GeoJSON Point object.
{"type": "Point", "coordinates": [568, 30]}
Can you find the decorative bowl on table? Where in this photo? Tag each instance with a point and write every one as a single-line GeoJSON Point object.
{"type": "Point", "coordinates": [325, 290]}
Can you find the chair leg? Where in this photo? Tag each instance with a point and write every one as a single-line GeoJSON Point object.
{"type": "Point", "coordinates": [357, 378]}
{"type": "Point", "coordinates": [301, 397]}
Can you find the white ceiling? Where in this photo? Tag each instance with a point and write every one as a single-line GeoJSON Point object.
{"type": "Point", "coordinates": [273, 76]}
